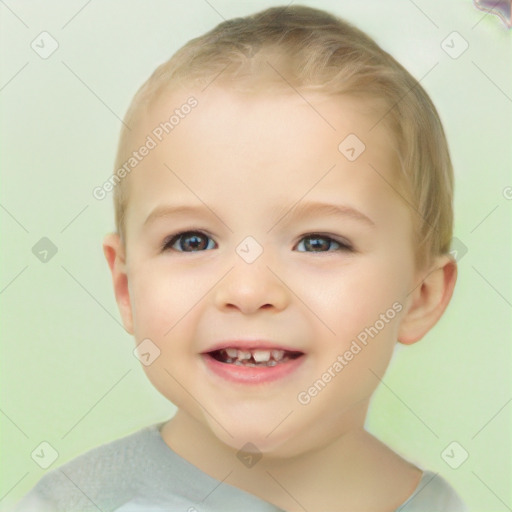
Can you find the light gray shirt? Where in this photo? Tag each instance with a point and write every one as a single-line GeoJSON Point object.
{"type": "Point", "coordinates": [140, 473]}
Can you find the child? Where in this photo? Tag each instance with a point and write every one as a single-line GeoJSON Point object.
{"type": "Point", "coordinates": [311, 173]}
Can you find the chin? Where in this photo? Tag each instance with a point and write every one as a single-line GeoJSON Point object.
{"type": "Point", "coordinates": [255, 439]}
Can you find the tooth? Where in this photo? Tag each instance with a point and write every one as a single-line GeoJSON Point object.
{"type": "Point", "coordinates": [277, 354]}
{"type": "Point", "coordinates": [243, 355]}
{"type": "Point", "coordinates": [231, 352]}
{"type": "Point", "coordinates": [261, 356]}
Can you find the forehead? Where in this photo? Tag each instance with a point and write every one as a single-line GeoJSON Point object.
{"type": "Point", "coordinates": [232, 145]}
{"type": "Point", "coordinates": [226, 114]}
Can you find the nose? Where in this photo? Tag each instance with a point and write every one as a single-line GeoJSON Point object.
{"type": "Point", "coordinates": [249, 287]}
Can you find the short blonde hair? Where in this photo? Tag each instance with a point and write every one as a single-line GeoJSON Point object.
{"type": "Point", "coordinates": [320, 52]}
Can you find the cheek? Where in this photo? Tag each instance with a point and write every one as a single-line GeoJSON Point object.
{"type": "Point", "coordinates": [160, 309]}
{"type": "Point", "coordinates": [152, 311]}
{"type": "Point", "coordinates": [373, 312]}
{"type": "Point", "coordinates": [160, 299]}
{"type": "Point", "coordinates": [365, 320]}
{"type": "Point", "coordinates": [358, 296]}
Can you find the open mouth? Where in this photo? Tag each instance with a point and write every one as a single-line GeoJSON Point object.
{"type": "Point", "coordinates": [254, 357]}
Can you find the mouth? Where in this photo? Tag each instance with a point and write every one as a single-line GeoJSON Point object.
{"type": "Point", "coordinates": [254, 357]}
{"type": "Point", "coordinates": [252, 365]}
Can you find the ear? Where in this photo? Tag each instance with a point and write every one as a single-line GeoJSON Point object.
{"type": "Point", "coordinates": [114, 251]}
{"type": "Point", "coordinates": [429, 300]}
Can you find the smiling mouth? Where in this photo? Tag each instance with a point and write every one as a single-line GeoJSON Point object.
{"type": "Point", "coordinates": [254, 358]}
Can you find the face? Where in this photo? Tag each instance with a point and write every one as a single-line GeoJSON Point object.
{"type": "Point", "coordinates": [248, 228]}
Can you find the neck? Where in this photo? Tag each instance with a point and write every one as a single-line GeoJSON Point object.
{"type": "Point", "coordinates": [339, 468]}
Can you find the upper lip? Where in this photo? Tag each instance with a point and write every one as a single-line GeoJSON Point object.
{"type": "Point", "coordinates": [250, 344]}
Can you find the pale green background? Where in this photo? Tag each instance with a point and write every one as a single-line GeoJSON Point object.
{"type": "Point", "coordinates": [65, 359]}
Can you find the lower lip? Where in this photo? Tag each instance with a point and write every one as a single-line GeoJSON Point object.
{"type": "Point", "coordinates": [252, 374]}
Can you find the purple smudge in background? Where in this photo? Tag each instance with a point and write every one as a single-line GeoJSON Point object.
{"type": "Point", "coordinates": [501, 8]}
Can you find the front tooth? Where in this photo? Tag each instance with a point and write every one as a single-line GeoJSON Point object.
{"type": "Point", "coordinates": [261, 356]}
{"type": "Point", "coordinates": [243, 355]}
{"type": "Point", "coordinates": [232, 352]}
{"type": "Point", "coordinates": [277, 354]}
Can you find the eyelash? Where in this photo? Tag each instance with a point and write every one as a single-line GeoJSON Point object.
{"type": "Point", "coordinates": [172, 239]}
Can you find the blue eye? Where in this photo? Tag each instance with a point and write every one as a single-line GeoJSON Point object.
{"type": "Point", "coordinates": [188, 241]}
{"type": "Point", "coordinates": [196, 241]}
{"type": "Point", "coordinates": [325, 243]}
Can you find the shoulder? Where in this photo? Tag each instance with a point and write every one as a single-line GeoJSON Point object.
{"type": "Point", "coordinates": [433, 493]}
{"type": "Point", "coordinates": [80, 484]}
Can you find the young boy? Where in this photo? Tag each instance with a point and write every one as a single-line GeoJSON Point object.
{"type": "Point", "coordinates": [311, 174]}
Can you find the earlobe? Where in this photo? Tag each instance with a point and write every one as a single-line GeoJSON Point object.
{"type": "Point", "coordinates": [114, 251]}
{"type": "Point", "coordinates": [429, 300]}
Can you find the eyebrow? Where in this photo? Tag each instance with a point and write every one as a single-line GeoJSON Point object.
{"type": "Point", "coordinates": [313, 208]}
{"type": "Point", "coordinates": [298, 212]}
{"type": "Point", "coordinates": [178, 209]}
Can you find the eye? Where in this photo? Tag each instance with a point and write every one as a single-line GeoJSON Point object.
{"type": "Point", "coordinates": [197, 241]}
{"type": "Point", "coordinates": [187, 241]}
{"type": "Point", "coordinates": [322, 243]}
